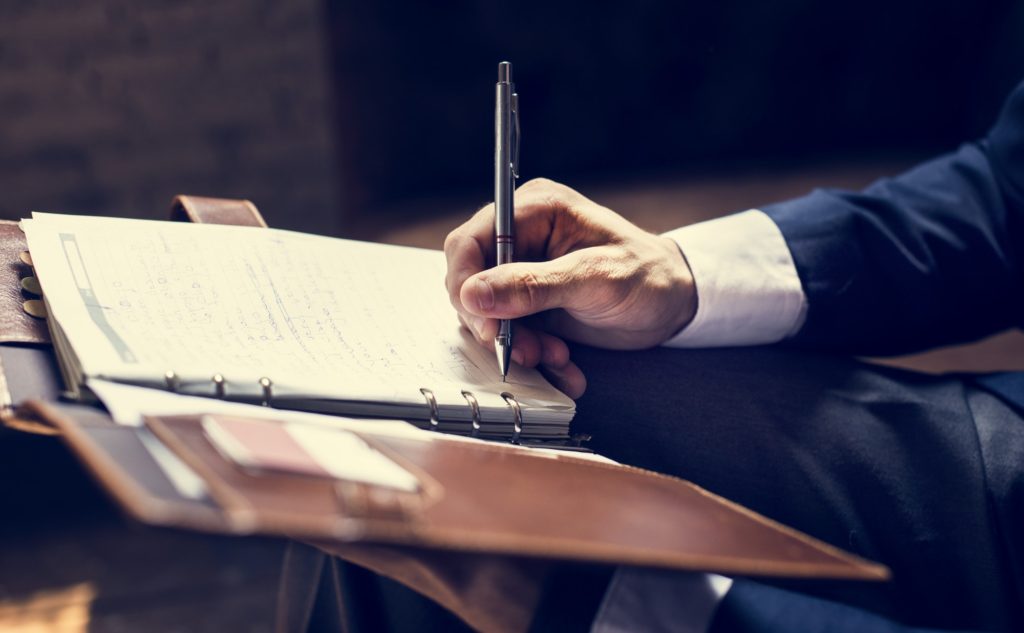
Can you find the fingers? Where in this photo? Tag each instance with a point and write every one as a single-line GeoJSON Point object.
{"type": "Point", "coordinates": [575, 281]}
{"type": "Point", "coordinates": [469, 248]}
{"type": "Point", "coordinates": [530, 347]}
{"type": "Point", "coordinates": [467, 255]}
{"type": "Point", "coordinates": [534, 348]}
{"type": "Point", "coordinates": [568, 379]}
{"type": "Point", "coordinates": [551, 355]}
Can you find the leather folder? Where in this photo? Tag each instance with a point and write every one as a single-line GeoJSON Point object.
{"type": "Point", "coordinates": [474, 497]}
{"type": "Point", "coordinates": [487, 512]}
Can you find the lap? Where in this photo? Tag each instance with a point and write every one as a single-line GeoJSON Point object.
{"type": "Point", "coordinates": [880, 462]}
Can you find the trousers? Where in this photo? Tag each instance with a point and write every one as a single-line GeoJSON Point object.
{"type": "Point", "coordinates": [922, 473]}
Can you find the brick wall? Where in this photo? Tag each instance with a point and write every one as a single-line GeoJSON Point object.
{"type": "Point", "coordinates": [114, 106]}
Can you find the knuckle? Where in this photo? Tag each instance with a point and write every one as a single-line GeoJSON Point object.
{"type": "Point", "coordinates": [538, 183]}
{"type": "Point", "coordinates": [454, 240]}
{"type": "Point", "coordinates": [549, 190]}
{"type": "Point", "coordinates": [450, 242]}
{"type": "Point", "coordinates": [485, 211]}
{"type": "Point", "coordinates": [532, 288]}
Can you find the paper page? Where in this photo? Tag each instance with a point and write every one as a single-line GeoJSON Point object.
{"type": "Point", "coordinates": [128, 404]}
{"type": "Point", "coordinates": [319, 316]}
{"type": "Point", "coordinates": [348, 457]}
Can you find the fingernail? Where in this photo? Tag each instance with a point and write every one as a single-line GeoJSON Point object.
{"type": "Point", "coordinates": [484, 294]}
{"type": "Point", "coordinates": [517, 357]}
{"type": "Point", "coordinates": [478, 325]}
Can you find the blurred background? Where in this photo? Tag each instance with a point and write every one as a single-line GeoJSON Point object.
{"type": "Point", "coordinates": [359, 118]}
{"type": "Point", "coordinates": [374, 120]}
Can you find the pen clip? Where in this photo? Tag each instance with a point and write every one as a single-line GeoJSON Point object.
{"type": "Point", "coordinates": [515, 133]}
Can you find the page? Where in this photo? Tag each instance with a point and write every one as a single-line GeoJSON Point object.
{"type": "Point", "coordinates": [321, 317]}
{"type": "Point", "coordinates": [128, 404]}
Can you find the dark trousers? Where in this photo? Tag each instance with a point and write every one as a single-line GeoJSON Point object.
{"type": "Point", "coordinates": [922, 473]}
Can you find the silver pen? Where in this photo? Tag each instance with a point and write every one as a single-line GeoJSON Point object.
{"type": "Point", "coordinates": [506, 170]}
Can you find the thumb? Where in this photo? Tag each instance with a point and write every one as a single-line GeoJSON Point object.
{"type": "Point", "coordinates": [515, 290]}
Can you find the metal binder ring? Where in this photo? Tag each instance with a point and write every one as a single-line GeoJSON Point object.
{"type": "Point", "coordinates": [218, 385]}
{"type": "Point", "coordinates": [475, 408]}
{"type": "Point", "coordinates": [435, 418]}
{"type": "Point", "coordinates": [268, 393]}
{"type": "Point", "coordinates": [517, 415]}
{"type": "Point", "coordinates": [171, 378]}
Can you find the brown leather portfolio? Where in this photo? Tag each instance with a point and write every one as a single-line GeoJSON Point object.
{"type": "Point", "coordinates": [487, 512]}
{"type": "Point", "coordinates": [481, 497]}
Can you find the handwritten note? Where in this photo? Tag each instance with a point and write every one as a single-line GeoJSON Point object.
{"type": "Point", "coordinates": [323, 317]}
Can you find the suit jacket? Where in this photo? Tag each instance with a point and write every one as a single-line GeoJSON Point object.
{"type": "Point", "coordinates": [933, 256]}
{"type": "Point", "coordinates": [929, 257]}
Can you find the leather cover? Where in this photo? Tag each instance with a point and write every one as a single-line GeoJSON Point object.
{"type": "Point", "coordinates": [487, 498]}
{"type": "Point", "coordinates": [16, 326]}
{"type": "Point", "coordinates": [26, 372]}
{"type": "Point", "coordinates": [479, 539]}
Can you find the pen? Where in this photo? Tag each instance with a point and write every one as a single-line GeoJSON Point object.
{"type": "Point", "coordinates": [506, 170]}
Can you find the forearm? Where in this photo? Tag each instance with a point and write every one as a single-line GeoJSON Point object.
{"type": "Point", "coordinates": [922, 259]}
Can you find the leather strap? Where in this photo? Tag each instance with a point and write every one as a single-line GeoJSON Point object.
{"type": "Point", "coordinates": [202, 210]}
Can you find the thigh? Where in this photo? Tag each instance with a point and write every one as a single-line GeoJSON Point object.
{"type": "Point", "coordinates": [879, 462]}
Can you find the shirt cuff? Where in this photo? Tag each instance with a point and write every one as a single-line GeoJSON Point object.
{"type": "Point", "coordinates": [641, 599]}
{"type": "Point", "coordinates": [748, 290]}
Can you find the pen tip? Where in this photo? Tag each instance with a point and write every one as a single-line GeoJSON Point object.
{"type": "Point", "coordinates": [503, 351]}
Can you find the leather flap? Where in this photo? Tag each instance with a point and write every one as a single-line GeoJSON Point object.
{"type": "Point", "coordinates": [496, 499]}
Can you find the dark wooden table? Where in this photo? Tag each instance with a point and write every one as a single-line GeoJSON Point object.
{"type": "Point", "coordinates": [70, 562]}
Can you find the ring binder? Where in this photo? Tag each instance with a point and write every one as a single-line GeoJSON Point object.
{"type": "Point", "coordinates": [266, 384]}
{"type": "Point", "coordinates": [171, 378]}
{"type": "Point", "coordinates": [218, 385]}
{"type": "Point", "coordinates": [435, 419]}
{"type": "Point", "coordinates": [475, 408]}
{"type": "Point", "coordinates": [517, 415]}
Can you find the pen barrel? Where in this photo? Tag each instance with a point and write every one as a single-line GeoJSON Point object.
{"type": "Point", "coordinates": [504, 227]}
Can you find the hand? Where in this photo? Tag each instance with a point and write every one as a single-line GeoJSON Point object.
{"type": "Point", "coordinates": [587, 273]}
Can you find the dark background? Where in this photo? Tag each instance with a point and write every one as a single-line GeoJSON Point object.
{"type": "Point", "coordinates": [335, 116]}
{"type": "Point", "coordinates": [618, 89]}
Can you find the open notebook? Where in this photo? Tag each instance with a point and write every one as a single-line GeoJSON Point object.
{"type": "Point", "coordinates": [276, 317]}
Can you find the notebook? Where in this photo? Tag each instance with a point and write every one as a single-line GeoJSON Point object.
{"type": "Point", "coordinates": [285, 319]}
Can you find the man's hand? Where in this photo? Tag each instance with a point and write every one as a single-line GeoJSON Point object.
{"type": "Point", "coordinates": [587, 274]}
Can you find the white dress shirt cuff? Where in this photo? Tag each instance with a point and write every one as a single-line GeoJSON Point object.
{"type": "Point", "coordinates": [655, 600]}
{"type": "Point", "coordinates": [748, 290]}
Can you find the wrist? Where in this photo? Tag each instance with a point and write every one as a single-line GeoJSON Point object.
{"type": "Point", "coordinates": [749, 290]}
{"type": "Point", "coordinates": [684, 290]}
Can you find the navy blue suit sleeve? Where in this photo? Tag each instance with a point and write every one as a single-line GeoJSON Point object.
{"type": "Point", "coordinates": [750, 607]}
{"type": "Point", "coordinates": [929, 257]}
